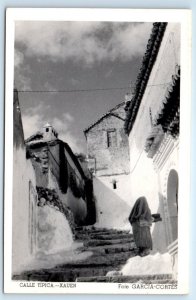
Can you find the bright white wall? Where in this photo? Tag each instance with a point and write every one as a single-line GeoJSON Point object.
{"type": "Point", "coordinates": [54, 233]}
{"type": "Point", "coordinates": [144, 179]}
{"type": "Point", "coordinates": [23, 172]}
{"type": "Point", "coordinates": [112, 206]}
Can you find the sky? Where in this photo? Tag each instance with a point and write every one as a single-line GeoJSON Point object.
{"type": "Point", "coordinates": [74, 56]}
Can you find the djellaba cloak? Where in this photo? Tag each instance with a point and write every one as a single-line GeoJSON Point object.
{"type": "Point", "coordinates": [141, 221]}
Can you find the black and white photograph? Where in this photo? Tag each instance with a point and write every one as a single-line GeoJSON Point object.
{"type": "Point", "coordinates": [94, 127]}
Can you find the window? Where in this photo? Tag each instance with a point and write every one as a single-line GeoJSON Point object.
{"type": "Point", "coordinates": [111, 138]}
{"type": "Point", "coordinates": [47, 129]}
{"type": "Point", "coordinates": [114, 184]}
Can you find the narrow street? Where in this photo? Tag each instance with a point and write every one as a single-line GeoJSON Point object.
{"type": "Point", "coordinates": [93, 152]}
{"type": "Point", "coordinates": [110, 250]}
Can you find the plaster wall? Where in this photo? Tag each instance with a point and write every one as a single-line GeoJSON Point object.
{"type": "Point", "coordinates": [54, 232]}
{"type": "Point", "coordinates": [145, 181]}
{"type": "Point", "coordinates": [169, 162]}
{"type": "Point", "coordinates": [160, 78]}
{"type": "Point", "coordinates": [23, 173]}
{"type": "Point", "coordinates": [112, 206]}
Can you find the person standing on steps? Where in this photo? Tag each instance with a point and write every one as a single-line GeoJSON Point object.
{"type": "Point", "coordinates": [141, 221]}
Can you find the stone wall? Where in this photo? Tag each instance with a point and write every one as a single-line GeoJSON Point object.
{"type": "Point", "coordinates": [109, 159]}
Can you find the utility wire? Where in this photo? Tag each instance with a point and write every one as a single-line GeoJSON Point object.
{"type": "Point", "coordinates": [72, 91]}
{"type": "Point", "coordinates": [86, 90]}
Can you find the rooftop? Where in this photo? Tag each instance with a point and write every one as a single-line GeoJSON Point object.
{"type": "Point", "coordinates": [104, 116]}
{"type": "Point", "coordinates": [148, 61]}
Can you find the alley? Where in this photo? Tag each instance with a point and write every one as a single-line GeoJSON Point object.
{"type": "Point", "coordinates": [97, 167]}
{"type": "Point", "coordinates": [110, 250]}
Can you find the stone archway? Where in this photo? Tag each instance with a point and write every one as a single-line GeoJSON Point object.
{"type": "Point", "coordinates": [172, 202]}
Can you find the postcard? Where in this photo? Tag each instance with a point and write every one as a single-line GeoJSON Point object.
{"type": "Point", "coordinates": [97, 151]}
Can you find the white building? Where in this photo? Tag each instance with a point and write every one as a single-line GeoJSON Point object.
{"type": "Point", "coordinates": [152, 125]}
{"type": "Point", "coordinates": [24, 198]}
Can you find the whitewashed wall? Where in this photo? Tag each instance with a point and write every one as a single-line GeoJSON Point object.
{"type": "Point", "coordinates": [112, 205]}
{"type": "Point", "coordinates": [23, 172]}
{"type": "Point", "coordinates": [145, 180]}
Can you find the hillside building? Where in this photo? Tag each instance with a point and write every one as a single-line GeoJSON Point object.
{"type": "Point", "coordinates": [57, 167]}
{"type": "Point", "coordinates": [108, 160]}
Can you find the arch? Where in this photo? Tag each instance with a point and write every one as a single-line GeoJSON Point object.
{"type": "Point", "coordinates": [172, 204]}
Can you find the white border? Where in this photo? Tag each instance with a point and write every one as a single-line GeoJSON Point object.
{"type": "Point", "coordinates": [130, 15]}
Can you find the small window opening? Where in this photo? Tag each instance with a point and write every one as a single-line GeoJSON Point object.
{"type": "Point", "coordinates": [111, 138]}
{"type": "Point", "coordinates": [47, 129]}
{"type": "Point", "coordinates": [114, 185]}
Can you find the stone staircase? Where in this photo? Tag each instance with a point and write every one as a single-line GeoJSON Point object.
{"type": "Point", "coordinates": [110, 250]}
{"type": "Point", "coordinates": [146, 279]}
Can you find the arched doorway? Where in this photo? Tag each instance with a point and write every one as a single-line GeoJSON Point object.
{"type": "Point", "coordinates": [172, 202]}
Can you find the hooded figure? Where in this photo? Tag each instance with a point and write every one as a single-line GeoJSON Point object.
{"type": "Point", "coordinates": [141, 220]}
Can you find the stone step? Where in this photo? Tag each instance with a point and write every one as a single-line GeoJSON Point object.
{"type": "Point", "coordinates": [92, 275]}
{"type": "Point", "coordinates": [95, 265]}
{"type": "Point", "coordinates": [113, 236]}
{"type": "Point", "coordinates": [162, 278]}
{"type": "Point", "coordinates": [99, 230]}
{"type": "Point", "coordinates": [114, 248]}
{"type": "Point", "coordinates": [97, 242]}
{"type": "Point", "coordinates": [109, 231]}
{"type": "Point", "coordinates": [85, 236]}
{"type": "Point", "coordinates": [110, 249]}
{"type": "Point", "coordinates": [63, 275]}
{"type": "Point", "coordinates": [68, 273]}
{"type": "Point", "coordinates": [98, 260]}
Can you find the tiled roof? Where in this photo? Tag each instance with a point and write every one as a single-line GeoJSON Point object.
{"type": "Point", "coordinates": [148, 61]}
{"type": "Point", "coordinates": [104, 116]}
{"type": "Point", "coordinates": [169, 115]}
{"type": "Point", "coordinates": [35, 137]}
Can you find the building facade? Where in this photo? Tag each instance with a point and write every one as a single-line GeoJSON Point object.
{"type": "Point", "coordinates": [108, 160]}
{"type": "Point", "coordinates": [57, 167]}
{"type": "Point", "coordinates": [152, 126]}
{"type": "Point", "coordinates": [107, 144]}
{"type": "Point", "coordinates": [51, 195]}
{"type": "Point", "coordinates": [24, 202]}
